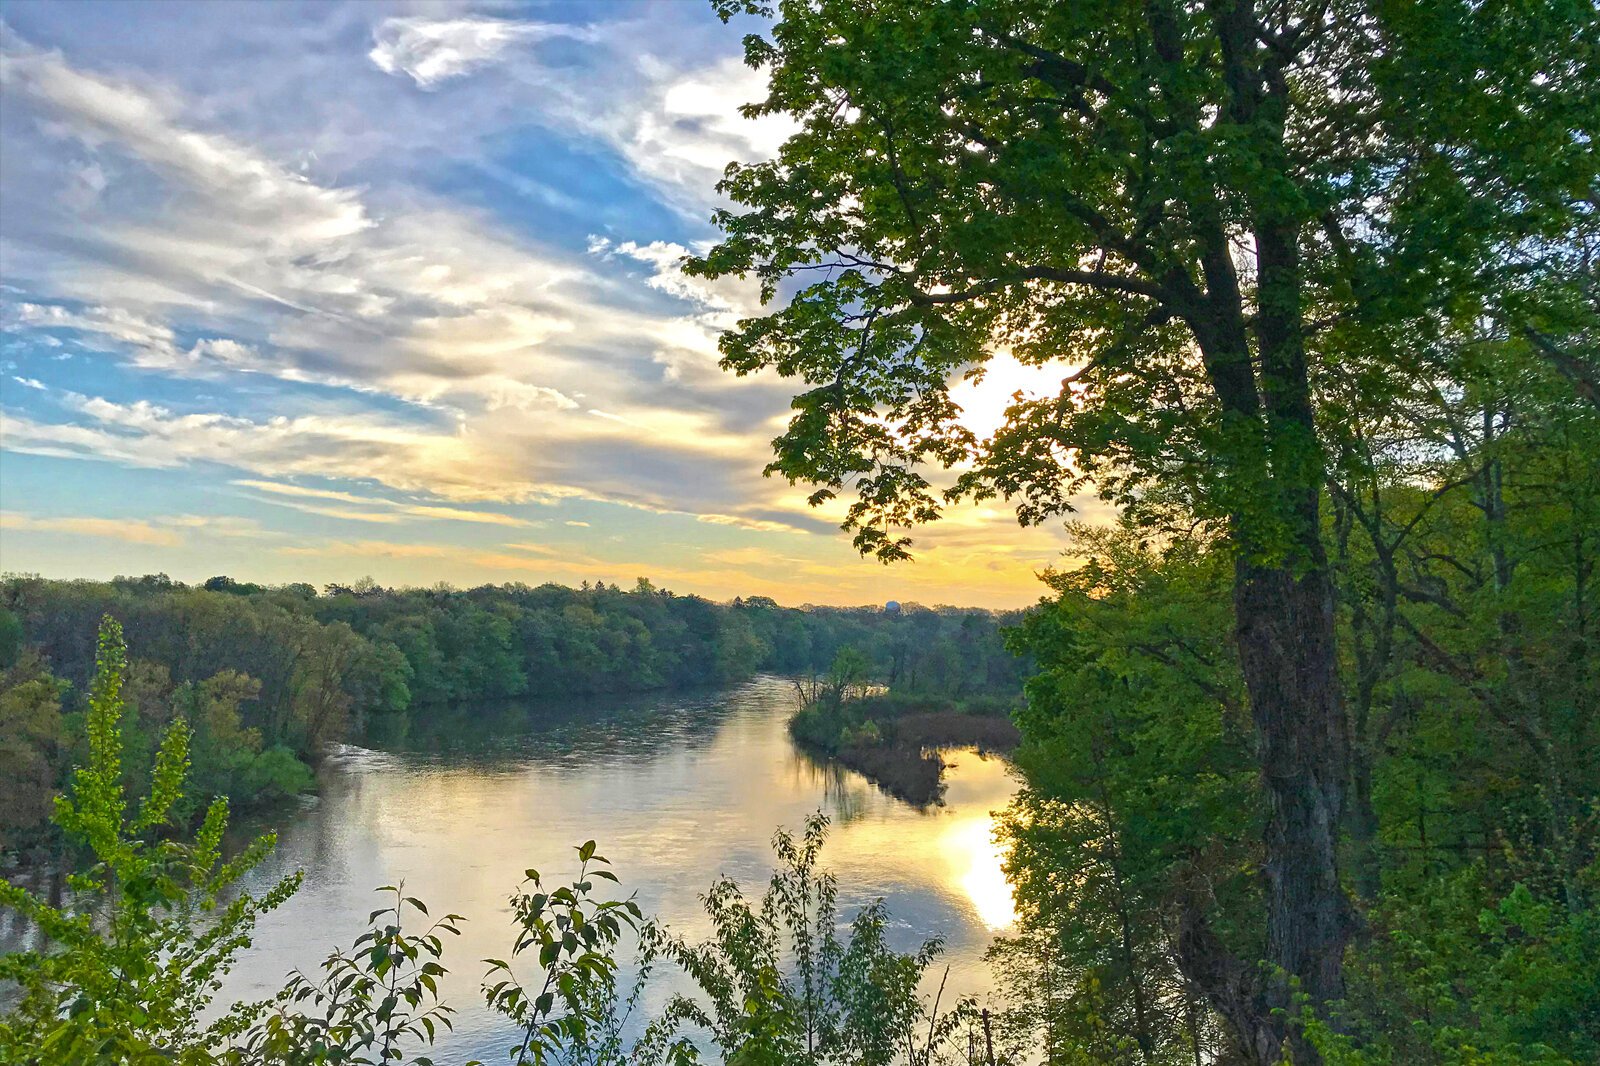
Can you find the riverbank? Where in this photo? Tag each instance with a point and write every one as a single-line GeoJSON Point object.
{"type": "Point", "coordinates": [895, 741]}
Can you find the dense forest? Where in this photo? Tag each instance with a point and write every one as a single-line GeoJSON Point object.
{"type": "Point", "coordinates": [268, 677]}
{"type": "Point", "coordinates": [1462, 540]}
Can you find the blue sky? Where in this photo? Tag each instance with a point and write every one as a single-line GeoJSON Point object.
{"type": "Point", "coordinates": [315, 291]}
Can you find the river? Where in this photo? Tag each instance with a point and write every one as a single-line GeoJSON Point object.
{"type": "Point", "coordinates": [677, 789]}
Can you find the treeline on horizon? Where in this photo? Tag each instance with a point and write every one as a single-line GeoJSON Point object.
{"type": "Point", "coordinates": [268, 677]}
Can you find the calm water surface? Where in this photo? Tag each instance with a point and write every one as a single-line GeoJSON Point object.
{"type": "Point", "coordinates": [676, 789]}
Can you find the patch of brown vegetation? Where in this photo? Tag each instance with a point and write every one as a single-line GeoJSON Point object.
{"type": "Point", "coordinates": [948, 729]}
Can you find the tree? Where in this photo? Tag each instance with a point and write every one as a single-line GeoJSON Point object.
{"type": "Point", "coordinates": [1140, 811]}
{"type": "Point", "coordinates": [10, 639]}
{"type": "Point", "coordinates": [1175, 198]}
{"type": "Point", "coordinates": [31, 736]}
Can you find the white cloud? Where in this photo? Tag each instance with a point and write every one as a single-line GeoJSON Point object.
{"type": "Point", "coordinates": [691, 470]}
{"type": "Point", "coordinates": [145, 337]}
{"type": "Point", "coordinates": [727, 298]}
{"type": "Point", "coordinates": [690, 128]}
{"type": "Point", "coordinates": [755, 525]}
{"type": "Point", "coordinates": [282, 275]}
{"type": "Point", "coordinates": [453, 465]}
{"type": "Point", "coordinates": [96, 111]}
{"type": "Point", "coordinates": [430, 51]}
{"type": "Point", "coordinates": [311, 282]}
{"type": "Point", "coordinates": [687, 343]}
{"type": "Point", "coordinates": [218, 525]}
{"type": "Point", "coordinates": [674, 119]}
{"type": "Point", "coordinates": [144, 342]}
{"type": "Point", "coordinates": [522, 396]}
{"type": "Point", "coordinates": [660, 90]}
{"type": "Point", "coordinates": [279, 488]}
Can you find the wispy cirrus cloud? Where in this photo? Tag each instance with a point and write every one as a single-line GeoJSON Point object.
{"type": "Point", "coordinates": [379, 508]}
{"type": "Point", "coordinates": [166, 531]}
{"type": "Point", "coordinates": [96, 111]}
{"type": "Point", "coordinates": [389, 452]}
{"type": "Point", "coordinates": [278, 274]}
{"type": "Point", "coordinates": [459, 462]}
{"type": "Point", "coordinates": [673, 118]}
{"type": "Point", "coordinates": [128, 530]}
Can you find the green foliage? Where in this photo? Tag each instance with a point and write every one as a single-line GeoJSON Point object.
{"type": "Point", "coordinates": [1140, 815]}
{"type": "Point", "coordinates": [226, 757]}
{"type": "Point", "coordinates": [1466, 976]}
{"type": "Point", "coordinates": [329, 663]}
{"type": "Point", "coordinates": [778, 987]}
{"type": "Point", "coordinates": [371, 1005]}
{"type": "Point", "coordinates": [276, 773]}
{"type": "Point", "coordinates": [830, 703]}
{"type": "Point", "coordinates": [11, 639]}
{"type": "Point", "coordinates": [570, 1015]}
{"type": "Point", "coordinates": [1461, 532]}
{"type": "Point", "coordinates": [152, 924]}
{"type": "Point", "coordinates": [379, 1002]}
{"type": "Point", "coordinates": [180, 636]}
{"type": "Point", "coordinates": [32, 738]}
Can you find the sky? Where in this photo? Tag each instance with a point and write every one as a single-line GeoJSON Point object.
{"type": "Point", "coordinates": [317, 291]}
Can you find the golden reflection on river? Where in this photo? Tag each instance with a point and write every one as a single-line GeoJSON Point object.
{"type": "Point", "coordinates": [971, 844]}
{"type": "Point", "coordinates": [676, 790]}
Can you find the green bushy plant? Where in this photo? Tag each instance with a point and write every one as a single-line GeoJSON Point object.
{"type": "Point", "coordinates": [151, 926]}
{"type": "Point", "coordinates": [777, 986]}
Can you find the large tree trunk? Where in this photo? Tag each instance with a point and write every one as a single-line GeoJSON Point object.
{"type": "Point", "coordinates": [1270, 475]}
{"type": "Point", "coordinates": [1285, 636]}
{"type": "Point", "coordinates": [1283, 614]}
{"type": "Point", "coordinates": [1284, 628]}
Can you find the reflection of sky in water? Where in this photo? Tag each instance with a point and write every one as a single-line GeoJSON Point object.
{"type": "Point", "coordinates": [676, 790]}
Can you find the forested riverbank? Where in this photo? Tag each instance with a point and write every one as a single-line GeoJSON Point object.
{"type": "Point", "coordinates": [268, 677]}
{"type": "Point", "coordinates": [891, 732]}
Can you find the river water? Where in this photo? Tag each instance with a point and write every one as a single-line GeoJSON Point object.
{"type": "Point", "coordinates": [677, 789]}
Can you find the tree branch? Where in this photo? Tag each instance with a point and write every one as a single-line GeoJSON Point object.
{"type": "Point", "coordinates": [1094, 279]}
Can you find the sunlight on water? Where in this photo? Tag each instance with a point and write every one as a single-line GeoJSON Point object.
{"type": "Point", "coordinates": [971, 845]}
{"type": "Point", "coordinates": [677, 790]}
